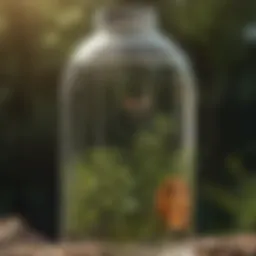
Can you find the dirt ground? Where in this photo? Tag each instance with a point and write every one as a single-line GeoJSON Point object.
{"type": "Point", "coordinates": [16, 239]}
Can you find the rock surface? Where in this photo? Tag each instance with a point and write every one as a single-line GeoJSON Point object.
{"type": "Point", "coordinates": [17, 239]}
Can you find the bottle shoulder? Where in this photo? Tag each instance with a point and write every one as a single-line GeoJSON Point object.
{"type": "Point", "coordinates": [103, 47]}
{"type": "Point", "coordinates": [102, 54]}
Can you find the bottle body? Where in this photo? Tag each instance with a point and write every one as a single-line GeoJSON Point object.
{"type": "Point", "coordinates": [128, 126]}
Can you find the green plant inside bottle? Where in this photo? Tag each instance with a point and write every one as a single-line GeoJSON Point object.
{"type": "Point", "coordinates": [113, 189]}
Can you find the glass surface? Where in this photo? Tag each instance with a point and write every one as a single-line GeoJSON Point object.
{"type": "Point", "coordinates": [128, 140]}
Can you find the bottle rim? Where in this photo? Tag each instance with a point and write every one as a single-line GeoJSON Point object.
{"type": "Point", "coordinates": [133, 14]}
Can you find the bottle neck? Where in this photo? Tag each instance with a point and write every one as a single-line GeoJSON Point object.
{"type": "Point", "coordinates": [126, 19]}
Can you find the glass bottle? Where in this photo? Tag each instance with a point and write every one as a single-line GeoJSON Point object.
{"type": "Point", "coordinates": [128, 104]}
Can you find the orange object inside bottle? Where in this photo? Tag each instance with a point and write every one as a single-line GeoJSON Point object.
{"type": "Point", "coordinates": [173, 204]}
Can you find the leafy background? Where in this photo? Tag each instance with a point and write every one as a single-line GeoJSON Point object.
{"type": "Point", "coordinates": [37, 36]}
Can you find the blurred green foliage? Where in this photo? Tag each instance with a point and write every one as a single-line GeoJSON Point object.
{"type": "Point", "coordinates": [36, 38]}
{"type": "Point", "coordinates": [113, 191]}
{"type": "Point", "coordinates": [239, 201]}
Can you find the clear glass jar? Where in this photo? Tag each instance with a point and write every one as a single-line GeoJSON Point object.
{"type": "Point", "coordinates": [128, 129]}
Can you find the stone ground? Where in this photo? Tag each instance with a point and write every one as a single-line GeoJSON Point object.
{"type": "Point", "coordinates": [16, 239]}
